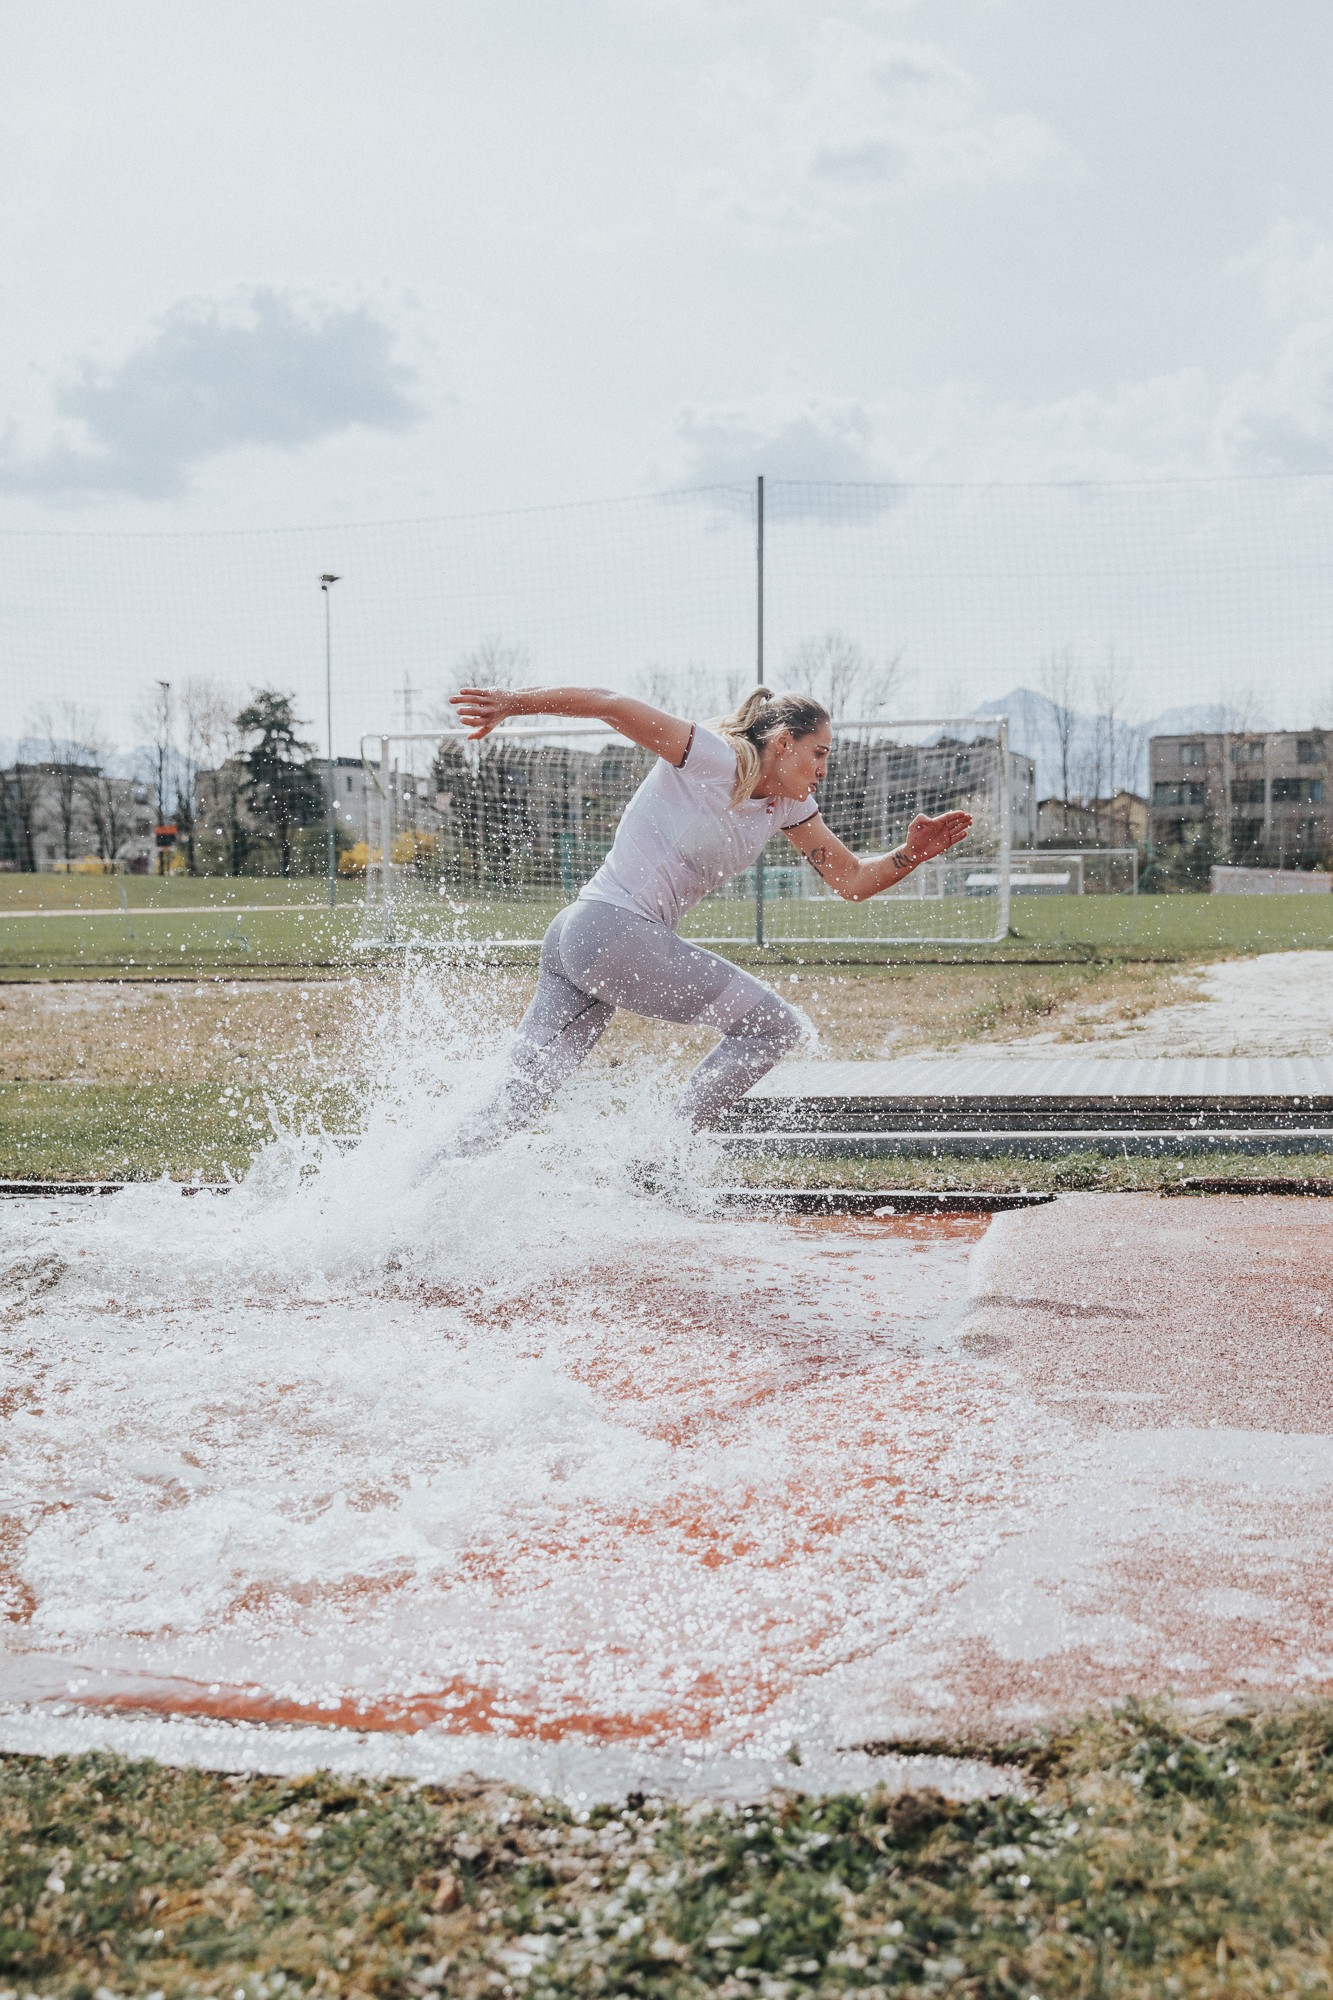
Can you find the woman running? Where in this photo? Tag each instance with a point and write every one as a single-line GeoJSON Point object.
{"type": "Point", "coordinates": [703, 813]}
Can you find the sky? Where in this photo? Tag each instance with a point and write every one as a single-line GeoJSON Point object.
{"type": "Point", "coordinates": [266, 266]}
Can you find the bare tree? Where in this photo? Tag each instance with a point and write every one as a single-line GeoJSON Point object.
{"type": "Point", "coordinates": [155, 719]}
{"type": "Point", "coordinates": [205, 718]}
{"type": "Point", "coordinates": [106, 798]}
{"type": "Point", "coordinates": [1237, 714]}
{"type": "Point", "coordinates": [1115, 752]}
{"type": "Point", "coordinates": [493, 662]}
{"type": "Point", "coordinates": [225, 749]}
{"type": "Point", "coordinates": [843, 676]}
{"type": "Point", "coordinates": [1133, 744]}
{"type": "Point", "coordinates": [1060, 683]}
{"type": "Point", "coordinates": [68, 734]}
{"type": "Point", "coordinates": [695, 691]}
{"type": "Point", "coordinates": [20, 800]}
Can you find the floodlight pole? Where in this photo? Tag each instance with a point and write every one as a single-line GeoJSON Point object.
{"type": "Point", "coordinates": [326, 583]}
{"type": "Point", "coordinates": [759, 677]}
{"type": "Point", "coordinates": [163, 765]}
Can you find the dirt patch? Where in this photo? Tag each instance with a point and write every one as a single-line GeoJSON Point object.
{"type": "Point", "coordinates": [114, 1032]}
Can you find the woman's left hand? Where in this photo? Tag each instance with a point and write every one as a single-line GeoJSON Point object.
{"type": "Point", "coordinates": [927, 837]}
{"type": "Point", "coordinates": [480, 710]}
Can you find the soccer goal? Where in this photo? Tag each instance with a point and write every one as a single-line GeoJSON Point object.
{"type": "Point", "coordinates": [483, 842]}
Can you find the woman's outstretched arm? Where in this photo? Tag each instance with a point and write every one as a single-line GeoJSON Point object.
{"type": "Point", "coordinates": [855, 880]}
{"type": "Point", "coordinates": [482, 709]}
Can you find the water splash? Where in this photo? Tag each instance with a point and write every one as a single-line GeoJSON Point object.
{"type": "Point", "coordinates": [492, 1445]}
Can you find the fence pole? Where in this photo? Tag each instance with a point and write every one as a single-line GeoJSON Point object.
{"type": "Point", "coordinates": [386, 842]}
{"type": "Point", "coordinates": [759, 679]}
{"type": "Point", "coordinates": [326, 583]}
{"type": "Point", "coordinates": [1002, 923]}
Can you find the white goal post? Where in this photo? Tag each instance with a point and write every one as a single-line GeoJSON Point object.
{"type": "Point", "coordinates": [480, 842]}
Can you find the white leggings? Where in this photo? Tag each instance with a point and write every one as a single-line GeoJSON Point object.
{"type": "Point", "coordinates": [596, 958]}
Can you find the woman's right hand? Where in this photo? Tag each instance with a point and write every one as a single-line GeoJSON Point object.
{"type": "Point", "coordinates": [481, 710]}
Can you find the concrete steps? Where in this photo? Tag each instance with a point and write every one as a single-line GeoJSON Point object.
{"type": "Point", "coordinates": [1038, 1107]}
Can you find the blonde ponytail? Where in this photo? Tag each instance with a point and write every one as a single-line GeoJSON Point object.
{"type": "Point", "coordinates": [760, 716]}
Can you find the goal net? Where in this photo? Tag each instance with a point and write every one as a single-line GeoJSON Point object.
{"type": "Point", "coordinates": [481, 843]}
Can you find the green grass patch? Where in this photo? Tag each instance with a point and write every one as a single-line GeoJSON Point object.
{"type": "Point", "coordinates": [210, 924]}
{"type": "Point", "coordinates": [19, 893]}
{"type": "Point", "coordinates": [1144, 927]}
{"type": "Point", "coordinates": [1153, 1856]}
{"type": "Point", "coordinates": [1174, 926]}
{"type": "Point", "coordinates": [70, 1131]}
{"type": "Point", "coordinates": [175, 943]}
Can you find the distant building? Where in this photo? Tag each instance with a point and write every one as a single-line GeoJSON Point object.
{"type": "Point", "coordinates": [53, 814]}
{"type": "Point", "coordinates": [1120, 821]}
{"type": "Point", "coordinates": [1022, 800]}
{"type": "Point", "coordinates": [227, 822]}
{"type": "Point", "coordinates": [355, 800]}
{"type": "Point", "coordinates": [1065, 823]}
{"type": "Point", "coordinates": [1123, 819]}
{"type": "Point", "coordinates": [351, 784]}
{"type": "Point", "coordinates": [1258, 798]}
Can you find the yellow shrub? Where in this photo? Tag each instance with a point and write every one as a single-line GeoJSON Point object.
{"type": "Point", "coordinates": [410, 849]}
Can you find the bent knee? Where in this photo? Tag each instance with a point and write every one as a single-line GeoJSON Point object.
{"type": "Point", "coordinates": [771, 1020]}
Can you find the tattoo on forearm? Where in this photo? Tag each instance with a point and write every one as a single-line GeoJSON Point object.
{"type": "Point", "coordinates": [819, 858]}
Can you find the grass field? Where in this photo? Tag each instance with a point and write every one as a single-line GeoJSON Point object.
{"type": "Point", "coordinates": [221, 998]}
{"type": "Point", "coordinates": [60, 927]}
{"type": "Point", "coordinates": [1152, 1855]}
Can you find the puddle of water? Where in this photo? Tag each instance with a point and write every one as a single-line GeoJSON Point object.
{"type": "Point", "coordinates": [496, 1454]}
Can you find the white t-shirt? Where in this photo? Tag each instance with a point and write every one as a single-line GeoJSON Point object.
{"type": "Point", "coordinates": [680, 835]}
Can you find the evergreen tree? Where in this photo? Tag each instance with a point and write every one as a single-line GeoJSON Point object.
{"type": "Point", "coordinates": [283, 790]}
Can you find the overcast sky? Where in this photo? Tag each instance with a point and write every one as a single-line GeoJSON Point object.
{"type": "Point", "coordinates": [280, 263]}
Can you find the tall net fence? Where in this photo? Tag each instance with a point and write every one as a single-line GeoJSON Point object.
{"type": "Point", "coordinates": [1179, 592]}
{"type": "Point", "coordinates": [1186, 591]}
{"type": "Point", "coordinates": [1154, 600]}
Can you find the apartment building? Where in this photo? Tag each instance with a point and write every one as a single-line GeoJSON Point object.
{"type": "Point", "coordinates": [1259, 798]}
{"type": "Point", "coordinates": [53, 814]}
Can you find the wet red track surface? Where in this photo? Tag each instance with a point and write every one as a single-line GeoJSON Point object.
{"type": "Point", "coordinates": [1113, 1476]}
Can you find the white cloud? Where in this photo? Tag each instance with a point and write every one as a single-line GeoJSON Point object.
{"type": "Point", "coordinates": [1275, 417]}
{"type": "Point", "coordinates": [262, 368]}
{"type": "Point", "coordinates": [1294, 266]}
{"type": "Point", "coordinates": [1183, 423]}
{"type": "Point", "coordinates": [856, 116]}
{"type": "Point", "coordinates": [1281, 419]}
{"type": "Point", "coordinates": [812, 442]}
